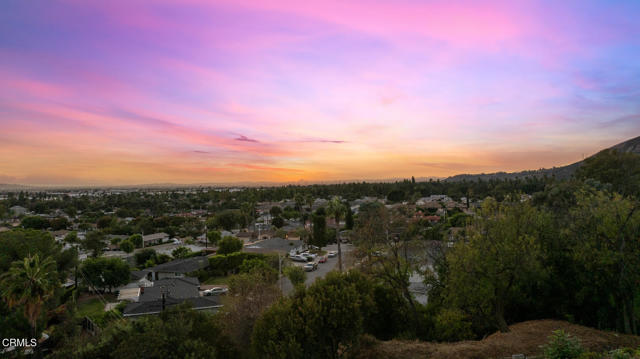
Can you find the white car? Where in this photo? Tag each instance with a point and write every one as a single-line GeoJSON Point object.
{"type": "Point", "coordinates": [309, 267]}
{"type": "Point", "coordinates": [215, 291]}
{"type": "Point", "coordinates": [332, 254]}
{"type": "Point", "coordinates": [299, 258]}
{"type": "Point", "coordinates": [309, 255]}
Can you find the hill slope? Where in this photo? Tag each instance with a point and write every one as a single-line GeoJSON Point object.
{"type": "Point", "coordinates": [632, 145]}
{"type": "Point", "coordinates": [524, 338]}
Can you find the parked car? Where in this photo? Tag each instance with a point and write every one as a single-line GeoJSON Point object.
{"type": "Point", "coordinates": [215, 291]}
{"type": "Point", "coordinates": [299, 258]}
{"type": "Point", "coordinates": [322, 259]}
{"type": "Point", "coordinates": [332, 254]}
{"type": "Point", "coordinates": [309, 255]}
{"type": "Point", "coordinates": [309, 267]}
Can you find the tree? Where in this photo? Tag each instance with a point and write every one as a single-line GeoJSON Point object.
{"type": "Point", "coordinates": [337, 210]}
{"type": "Point", "coordinates": [258, 267]}
{"type": "Point", "coordinates": [605, 229]}
{"type": "Point", "coordinates": [370, 228]}
{"type": "Point", "coordinates": [145, 255]}
{"type": "Point", "coordinates": [105, 273]}
{"type": "Point", "coordinates": [396, 195]}
{"type": "Point", "coordinates": [319, 229]}
{"type": "Point", "coordinates": [299, 202]}
{"type": "Point", "coordinates": [177, 332]}
{"type": "Point", "coordinates": [72, 237]}
{"type": "Point", "coordinates": [227, 219]}
{"type": "Point", "coordinates": [250, 296]}
{"type": "Point", "coordinates": [278, 221]}
{"type": "Point", "coordinates": [59, 223]}
{"type": "Point", "coordinates": [30, 283]}
{"type": "Point", "coordinates": [228, 245]}
{"type": "Point", "coordinates": [136, 239]}
{"type": "Point", "coordinates": [324, 321]}
{"type": "Point", "coordinates": [34, 222]}
{"type": "Point", "coordinates": [181, 252]}
{"type": "Point", "coordinates": [95, 242]}
{"type": "Point", "coordinates": [127, 246]}
{"type": "Point", "coordinates": [296, 275]}
{"type": "Point", "coordinates": [105, 222]}
{"type": "Point", "coordinates": [248, 212]}
{"type": "Point", "coordinates": [17, 244]}
{"type": "Point", "coordinates": [275, 211]}
{"type": "Point", "coordinates": [502, 251]}
{"type": "Point", "coordinates": [213, 237]}
{"type": "Point", "coordinates": [348, 219]}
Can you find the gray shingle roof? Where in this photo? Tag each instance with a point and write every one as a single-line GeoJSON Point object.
{"type": "Point", "coordinates": [177, 288]}
{"type": "Point", "coordinates": [186, 265]}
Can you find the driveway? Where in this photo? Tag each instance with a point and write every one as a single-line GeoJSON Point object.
{"type": "Point", "coordinates": [323, 268]}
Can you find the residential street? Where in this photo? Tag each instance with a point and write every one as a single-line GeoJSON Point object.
{"type": "Point", "coordinates": [323, 268]}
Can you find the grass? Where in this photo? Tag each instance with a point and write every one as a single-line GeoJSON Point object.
{"type": "Point", "coordinates": [216, 280]}
{"type": "Point", "coordinates": [92, 308]}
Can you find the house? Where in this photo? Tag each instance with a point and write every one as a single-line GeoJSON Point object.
{"type": "Point", "coordinates": [155, 238]}
{"type": "Point", "coordinates": [59, 235]}
{"type": "Point", "coordinates": [177, 268]}
{"type": "Point", "coordinates": [432, 219]}
{"type": "Point", "coordinates": [18, 210]}
{"type": "Point", "coordinates": [168, 292]}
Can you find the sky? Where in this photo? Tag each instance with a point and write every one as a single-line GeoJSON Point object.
{"type": "Point", "coordinates": [233, 91]}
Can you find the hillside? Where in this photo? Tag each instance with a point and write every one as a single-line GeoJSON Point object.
{"type": "Point", "coordinates": [564, 172]}
{"type": "Point", "coordinates": [524, 338]}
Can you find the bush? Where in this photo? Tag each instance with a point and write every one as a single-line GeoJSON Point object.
{"type": "Point", "coordinates": [35, 222]}
{"type": "Point", "coordinates": [126, 246]}
{"type": "Point", "coordinates": [221, 265]}
{"type": "Point", "coordinates": [228, 245]}
{"type": "Point", "coordinates": [624, 353]}
{"type": "Point", "coordinates": [296, 275]}
{"type": "Point", "coordinates": [136, 239]}
{"type": "Point", "coordinates": [144, 256]}
{"type": "Point", "coordinates": [562, 345]}
{"type": "Point", "coordinates": [182, 252]}
{"type": "Point", "coordinates": [452, 325]}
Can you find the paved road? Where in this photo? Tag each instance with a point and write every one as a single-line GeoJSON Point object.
{"type": "Point", "coordinates": [323, 268]}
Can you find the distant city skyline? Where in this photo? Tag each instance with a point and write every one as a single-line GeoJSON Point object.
{"type": "Point", "coordinates": [194, 91]}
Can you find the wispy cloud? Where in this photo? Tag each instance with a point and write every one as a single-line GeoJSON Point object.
{"type": "Point", "coordinates": [243, 138]}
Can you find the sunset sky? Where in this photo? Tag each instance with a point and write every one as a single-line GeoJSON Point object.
{"type": "Point", "coordinates": [194, 91]}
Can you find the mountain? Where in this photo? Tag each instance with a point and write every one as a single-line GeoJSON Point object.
{"type": "Point", "coordinates": [632, 145]}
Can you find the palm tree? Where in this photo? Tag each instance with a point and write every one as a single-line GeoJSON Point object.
{"type": "Point", "coordinates": [337, 209]}
{"type": "Point", "coordinates": [29, 283]}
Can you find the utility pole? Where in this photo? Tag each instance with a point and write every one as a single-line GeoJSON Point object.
{"type": "Point", "coordinates": [339, 248]}
{"type": "Point", "coordinates": [280, 272]}
{"type": "Point", "coordinates": [164, 295]}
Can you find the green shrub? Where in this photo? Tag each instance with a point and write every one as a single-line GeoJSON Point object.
{"type": "Point", "coordinates": [222, 265]}
{"type": "Point", "coordinates": [590, 355]}
{"type": "Point", "coordinates": [452, 325]}
{"type": "Point", "coordinates": [562, 345]}
{"type": "Point", "coordinates": [296, 275]}
{"type": "Point", "coordinates": [624, 353]}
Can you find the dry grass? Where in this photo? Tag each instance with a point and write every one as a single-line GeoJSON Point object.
{"type": "Point", "coordinates": [524, 338]}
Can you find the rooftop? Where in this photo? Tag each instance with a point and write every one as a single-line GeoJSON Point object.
{"type": "Point", "coordinates": [183, 266]}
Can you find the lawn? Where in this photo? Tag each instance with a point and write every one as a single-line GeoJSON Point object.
{"type": "Point", "coordinates": [216, 280]}
{"type": "Point", "coordinates": [92, 308]}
